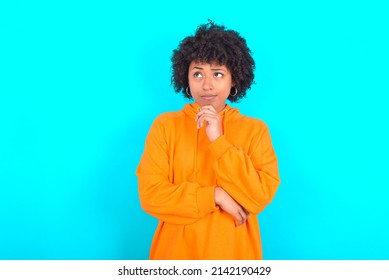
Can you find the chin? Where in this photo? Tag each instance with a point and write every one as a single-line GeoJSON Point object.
{"type": "Point", "coordinates": [206, 103]}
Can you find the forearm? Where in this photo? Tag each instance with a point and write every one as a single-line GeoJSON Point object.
{"type": "Point", "coordinates": [252, 189]}
{"type": "Point", "coordinates": [252, 186]}
{"type": "Point", "coordinates": [183, 203]}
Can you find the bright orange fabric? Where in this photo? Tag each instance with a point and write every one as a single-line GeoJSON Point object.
{"type": "Point", "coordinates": [177, 175]}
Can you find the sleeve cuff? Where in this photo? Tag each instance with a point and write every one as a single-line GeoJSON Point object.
{"type": "Point", "coordinates": [206, 200]}
{"type": "Point", "coordinates": [220, 146]}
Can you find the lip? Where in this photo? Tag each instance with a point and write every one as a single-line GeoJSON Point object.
{"type": "Point", "coordinates": [208, 96]}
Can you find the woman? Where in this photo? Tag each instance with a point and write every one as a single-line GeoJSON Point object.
{"type": "Point", "coordinates": [207, 171]}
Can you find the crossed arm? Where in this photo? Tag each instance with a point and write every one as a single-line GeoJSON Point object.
{"type": "Point", "coordinates": [244, 185]}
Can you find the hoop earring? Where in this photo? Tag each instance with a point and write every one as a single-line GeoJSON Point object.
{"type": "Point", "coordinates": [187, 92]}
{"type": "Point", "coordinates": [236, 92]}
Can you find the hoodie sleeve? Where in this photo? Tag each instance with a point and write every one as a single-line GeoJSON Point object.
{"type": "Point", "coordinates": [252, 180]}
{"type": "Point", "coordinates": [183, 203]}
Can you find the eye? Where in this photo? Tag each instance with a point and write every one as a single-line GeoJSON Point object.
{"type": "Point", "coordinates": [218, 75]}
{"type": "Point", "coordinates": [197, 75]}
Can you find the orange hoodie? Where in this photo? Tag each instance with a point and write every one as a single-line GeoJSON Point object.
{"type": "Point", "coordinates": [177, 175]}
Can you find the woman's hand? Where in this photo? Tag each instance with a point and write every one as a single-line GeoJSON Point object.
{"type": "Point", "coordinates": [213, 122]}
{"type": "Point", "coordinates": [229, 205]}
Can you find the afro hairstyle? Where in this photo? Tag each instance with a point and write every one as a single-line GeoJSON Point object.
{"type": "Point", "coordinates": [214, 44]}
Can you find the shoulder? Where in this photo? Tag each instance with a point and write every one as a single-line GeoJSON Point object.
{"type": "Point", "coordinates": [168, 117]}
{"type": "Point", "coordinates": [253, 125]}
{"type": "Point", "coordinates": [167, 121]}
{"type": "Point", "coordinates": [253, 121]}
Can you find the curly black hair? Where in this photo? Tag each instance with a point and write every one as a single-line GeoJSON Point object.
{"type": "Point", "coordinates": [214, 44]}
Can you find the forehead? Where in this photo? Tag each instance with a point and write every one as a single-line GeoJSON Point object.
{"type": "Point", "coordinates": [206, 65]}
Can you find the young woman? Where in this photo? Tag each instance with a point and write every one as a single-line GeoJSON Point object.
{"type": "Point", "coordinates": [207, 171]}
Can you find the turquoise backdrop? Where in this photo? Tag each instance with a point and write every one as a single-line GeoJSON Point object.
{"type": "Point", "coordinates": [82, 81]}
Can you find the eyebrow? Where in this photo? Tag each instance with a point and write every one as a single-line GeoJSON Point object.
{"type": "Point", "coordinates": [213, 69]}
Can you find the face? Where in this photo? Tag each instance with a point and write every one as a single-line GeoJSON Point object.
{"type": "Point", "coordinates": [210, 84]}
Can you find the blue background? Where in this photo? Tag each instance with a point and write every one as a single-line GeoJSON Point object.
{"type": "Point", "coordinates": [82, 81]}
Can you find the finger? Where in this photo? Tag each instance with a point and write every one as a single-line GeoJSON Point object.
{"type": "Point", "coordinates": [207, 118]}
{"type": "Point", "coordinates": [205, 111]}
{"type": "Point", "coordinates": [199, 114]}
{"type": "Point", "coordinates": [198, 119]}
{"type": "Point", "coordinates": [209, 107]}
{"type": "Point", "coordinates": [238, 220]}
{"type": "Point", "coordinates": [201, 120]}
{"type": "Point", "coordinates": [206, 114]}
{"type": "Point", "coordinates": [247, 213]}
{"type": "Point", "coordinates": [239, 217]}
{"type": "Point", "coordinates": [243, 216]}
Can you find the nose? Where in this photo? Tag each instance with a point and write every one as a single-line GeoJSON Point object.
{"type": "Point", "coordinates": [207, 83]}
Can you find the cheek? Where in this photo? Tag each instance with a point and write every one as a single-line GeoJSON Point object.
{"type": "Point", "coordinates": [226, 92]}
{"type": "Point", "coordinates": [227, 87]}
{"type": "Point", "coordinates": [194, 84]}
